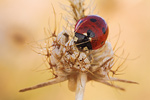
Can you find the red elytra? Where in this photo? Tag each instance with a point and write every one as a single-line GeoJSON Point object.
{"type": "Point", "coordinates": [97, 26]}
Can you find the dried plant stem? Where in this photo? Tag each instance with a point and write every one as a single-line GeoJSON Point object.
{"type": "Point", "coordinates": [81, 82]}
{"type": "Point", "coordinates": [109, 84]}
{"type": "Point", "coordinates": [122, 80]}
{"type": "Point", "coordinates": [53, 81]}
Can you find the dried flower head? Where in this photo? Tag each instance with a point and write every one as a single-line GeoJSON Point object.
{"type": "Point", "coordinates": [67, 62]}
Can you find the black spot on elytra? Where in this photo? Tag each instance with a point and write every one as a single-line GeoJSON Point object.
{"type": "Point", "coordinates": [90, 33]}
{"type": "Point", "coordinates": [93, 20]}
{"type": "Point", "coordinates": [103, 29]}
{"type": "Point", "coordinates": [102, 42]}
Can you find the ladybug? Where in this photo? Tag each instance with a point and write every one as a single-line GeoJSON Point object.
{"type": "Point", "coordinates": [90, 32]}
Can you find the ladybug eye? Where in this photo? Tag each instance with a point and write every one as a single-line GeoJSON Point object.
{"type": "Point", "coordinates": [90, 33]}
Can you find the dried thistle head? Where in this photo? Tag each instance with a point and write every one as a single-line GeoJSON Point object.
{"type": "Point", "coordinates": [68, 62]}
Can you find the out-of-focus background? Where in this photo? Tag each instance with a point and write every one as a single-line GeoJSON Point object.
{"type": "Point", "coordinates": [22, 20]}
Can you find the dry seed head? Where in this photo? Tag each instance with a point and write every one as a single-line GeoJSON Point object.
{"type": "Point", "coordinates": [78, 67]}
{"type": "Point", "coordinates": [77, 9]}
{"type": "Point", "coordinates": [73, 61]}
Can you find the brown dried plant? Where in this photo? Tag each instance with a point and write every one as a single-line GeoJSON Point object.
{"type": "Point", "coordinates": [66, 62]}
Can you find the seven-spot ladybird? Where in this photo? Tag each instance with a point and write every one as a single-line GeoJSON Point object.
{"type": "Point", "coordinates": [90, 32]}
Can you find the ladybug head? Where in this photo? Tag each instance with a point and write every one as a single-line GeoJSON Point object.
{"type": "Point", "coordinates": [90, 32]}
{"type": "Point", "coordinates": [84, 40]}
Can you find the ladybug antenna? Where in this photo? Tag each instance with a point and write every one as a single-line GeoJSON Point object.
{"type": "Point", "coordinates": [82, 42]}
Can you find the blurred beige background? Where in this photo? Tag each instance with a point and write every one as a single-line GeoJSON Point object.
{"type": "Point", "coordinates": [28, 18]}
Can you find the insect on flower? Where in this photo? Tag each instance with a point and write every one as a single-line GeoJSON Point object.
{"type": "Point", "coordinates": [91, 32]}
{"type": "Point", "coordinates": [84, 57]}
